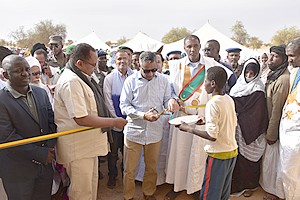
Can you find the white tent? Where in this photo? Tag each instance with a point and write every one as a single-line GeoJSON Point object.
{"type": "Point", "coordinates": [142, 42]}
{"type": "Point", "coordinates": [93, 40]}
{"type": "Point", "coordinates": [208, 32]}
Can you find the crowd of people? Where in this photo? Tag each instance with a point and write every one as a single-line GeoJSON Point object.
{"type": "Point", "coordinates": [245, 135]}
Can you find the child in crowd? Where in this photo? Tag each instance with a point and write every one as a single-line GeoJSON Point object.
{"type": "Point", "coordinates": [221, 121]}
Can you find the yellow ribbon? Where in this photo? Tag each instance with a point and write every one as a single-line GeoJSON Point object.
{"type": "Point", "coordinates": [197, 106]}
{"type": "Point", "coordinates": [151, 110]}
{"type": "Point", "coordinates": [41, 138]}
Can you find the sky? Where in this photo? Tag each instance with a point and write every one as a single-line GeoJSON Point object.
{"type": "Point", "coordinates": [114, 19]}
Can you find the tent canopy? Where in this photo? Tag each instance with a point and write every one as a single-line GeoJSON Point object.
{"type": "Point", "coordinates": [208, 32]}
{"type": "Point", "coordinates": [142, 42]}
{"type": "Point", "coordinates": [93, 40]}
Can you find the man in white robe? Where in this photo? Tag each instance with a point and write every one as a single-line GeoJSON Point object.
{"type": "Point", "coordinates": [289, 132]}
{"type": "Point", "coordinates": [186, 155]}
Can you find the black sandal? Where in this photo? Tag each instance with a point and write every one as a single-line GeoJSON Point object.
{"type": "Point", "coordinates": [171, 195]}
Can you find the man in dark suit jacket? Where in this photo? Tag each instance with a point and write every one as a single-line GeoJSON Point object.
{"type": "Point", "coordinates": [26, 112]}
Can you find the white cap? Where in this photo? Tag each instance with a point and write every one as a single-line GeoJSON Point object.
{"type": "Point", "coordinates": [32, 61]}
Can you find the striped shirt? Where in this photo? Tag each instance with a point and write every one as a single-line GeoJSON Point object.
{"type": "Point", "coordinates": [253, 151]}
{"type": "Point", "coordinates": [138, 96]}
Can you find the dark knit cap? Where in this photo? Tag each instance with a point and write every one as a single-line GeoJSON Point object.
{"type": "Point", "coordinates": [280, 50]}
{"type": "Point", "coordinates": [37, 46]}
{"type": "Point", "coordinates": [4, 52]}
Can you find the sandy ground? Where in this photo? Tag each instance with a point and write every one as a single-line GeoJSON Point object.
{"type": "Point", "coordinates": [117, 193]}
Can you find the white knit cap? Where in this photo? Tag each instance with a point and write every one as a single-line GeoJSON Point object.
{"type": "Point", "coordinates": [32, 61]}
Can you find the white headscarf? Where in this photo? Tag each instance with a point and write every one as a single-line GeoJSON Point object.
{"type": "Point", "coordinates": [242, 88]}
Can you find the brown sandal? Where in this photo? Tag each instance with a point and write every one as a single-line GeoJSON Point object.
{"type": "Point", "coordinates": [269, 196]}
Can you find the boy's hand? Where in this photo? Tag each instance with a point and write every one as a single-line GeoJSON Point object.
{"type": "Point", "coordinates": [201, 121]}
{"type": "Point", "coordinates": [184, 127]}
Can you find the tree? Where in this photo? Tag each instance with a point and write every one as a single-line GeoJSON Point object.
{"type": "Point", "coordinates": [122, 41]}
{"type": "Point", "coordinates": [109, 43]}
{"type": "Point", "coordinates": [69, 42]}
{"type": "Point", "coordinates": [3, 42]}
{"type": "Point", "coordinates": [254, 43]}
{"type": "Point", "coordinates": [240, 34]}
{"type": "Point", "coordinates": [39, 33]}
{"type": "Point", "coordinates": [20, 36]}
{"type": "Point", "coordinates": [285, 35]}
{"type": "Point", "coordinates": [175, 34]}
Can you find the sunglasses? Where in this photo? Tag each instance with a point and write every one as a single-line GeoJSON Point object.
{"type": "Point", "coordinates": [146, 71]}
{"type": "Point", "coordinates": [207, 49]}
{"type": "Point", "coordinates": [35, 73]}
{"type": "Point", "coordinates": [53, 45]}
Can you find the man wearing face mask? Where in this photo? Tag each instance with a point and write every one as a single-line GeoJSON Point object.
{"type": "Point", "coordinates": [174, 55]}
{"type": "Point", "coordinates": [277, 88]}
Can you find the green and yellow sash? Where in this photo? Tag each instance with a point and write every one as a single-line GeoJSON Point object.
{"type": "Point", "coordinates": [191, 86]}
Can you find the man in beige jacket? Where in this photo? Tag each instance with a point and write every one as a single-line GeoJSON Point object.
{"type": "Point", "coordinates": [277, 88]}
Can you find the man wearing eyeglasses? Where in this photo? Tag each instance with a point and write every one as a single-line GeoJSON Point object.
{"type": "Point", "coordinates": [35, 78]}
{"type": "Point", "coordinates": [186, 159]}
{"type": "Point", "coordinates": [48, 72]}
{"type": "Point", "coordinates": [113, 84]}
{"type": "Point", "coordinates": [142, 93]}
{"type": "Point", "coordinates": [79, 102]}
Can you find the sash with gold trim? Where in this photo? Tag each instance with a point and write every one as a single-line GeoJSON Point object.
{"type": "Point", "coordinates": [193, 84]}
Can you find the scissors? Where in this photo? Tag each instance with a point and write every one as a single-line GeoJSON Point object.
{"type": "Point", "coordinates": [155, 111]}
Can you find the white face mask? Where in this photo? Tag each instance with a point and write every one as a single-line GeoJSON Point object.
{"type": "Point", "coordinates": [249, 79]}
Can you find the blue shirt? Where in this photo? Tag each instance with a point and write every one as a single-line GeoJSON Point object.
{"type": "Point", "coordinates": [137, 97]}
{"type": "Point", "coordinates": [112, 87]}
